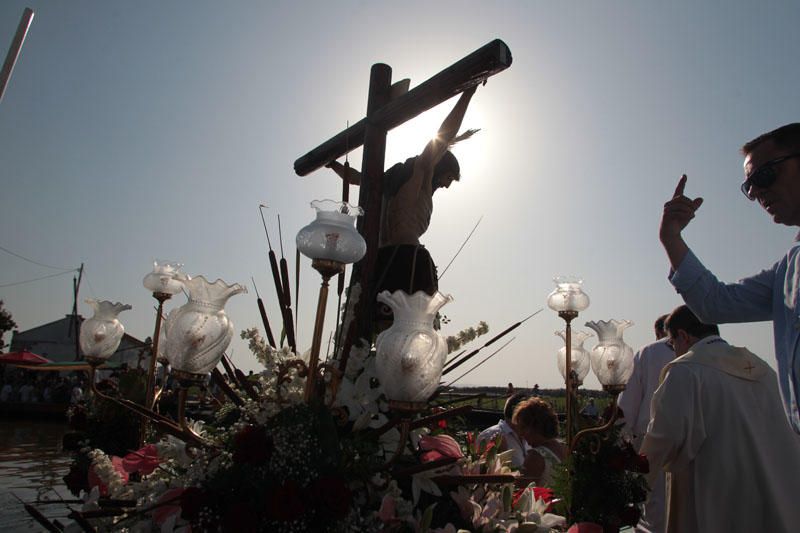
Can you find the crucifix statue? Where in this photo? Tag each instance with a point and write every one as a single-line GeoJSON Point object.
{"type": "Point", "coordinates": [393, 222]}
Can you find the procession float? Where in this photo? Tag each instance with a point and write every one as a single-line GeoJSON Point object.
{"type": "Point", "coordinates": [355, 440]}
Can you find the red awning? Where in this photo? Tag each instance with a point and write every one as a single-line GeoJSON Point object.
{"type": "Point", "coordinates": [23, 358]}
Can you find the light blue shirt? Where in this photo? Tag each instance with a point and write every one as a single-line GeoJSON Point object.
{"type": "Point", "coordinates": [772, 294]}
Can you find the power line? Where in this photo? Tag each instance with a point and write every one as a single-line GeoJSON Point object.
{"type": "Point", "coordinates": [38, 279]}
{"type": "Point", "coordinates": [6, 250]}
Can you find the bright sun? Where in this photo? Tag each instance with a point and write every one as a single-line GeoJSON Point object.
{"type": "Point", "coordinates": [409, 139]}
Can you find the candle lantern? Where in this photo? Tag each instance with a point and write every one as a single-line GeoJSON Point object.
{"type": "Point", "coordinates": [568, 299]}
{"type": "Point", "coordinates": [100, 335]}
{"type": "Point", "coordinates": [410, 354]}
{"type": "Point", "coordinates": [198, 332]}
{"type": "Point", "coordinates": [164, 281]}
{"type": "Point", "coordinates": [331, 242]}
{"type": "Point", "coordinates": [612, 359]}
{"type": "Point", "coordinates": [579, 361]}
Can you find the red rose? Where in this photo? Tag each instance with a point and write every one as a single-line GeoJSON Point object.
{"type": "Point", "coordinates": [252, 446]}
{"type": "Point", "coordinates": [240, 517]}
{"type": "Point", "coordinates": [332, 495]}
{"type": "Point", "coordinates": [616, 460]}
{"type": "Point", "coordinates": [77, 479]}
{"type": "Point", "coordinates": [285, 503]}
{"type": "Point", "coordinates": [630, 516]}
{"type": "Point", "coordinates": [193, 500]}
{"type": "Point", "coordinates": [638, 463]}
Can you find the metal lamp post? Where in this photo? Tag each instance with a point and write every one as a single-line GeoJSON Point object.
{"type": "Point", "coordinates": [164, 281]}
{"type": "Point", "coordinates": [568, 299]}
{"type": "Point", "coordinates": [331, 242]}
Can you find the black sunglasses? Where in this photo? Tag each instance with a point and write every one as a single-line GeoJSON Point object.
{"type": "Point", "coordinates": [764, 176]}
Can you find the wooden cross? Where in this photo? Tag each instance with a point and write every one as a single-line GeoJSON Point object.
{"type": "Point", "coordinates": [389, 106]}
{"type": "Point", "coordinates": [749, 367]}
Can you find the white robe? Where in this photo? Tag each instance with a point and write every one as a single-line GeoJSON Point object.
{"type": "Point", "coordinates": [635, 402]}
{"type": "Point", "coordinates": [718, 429]}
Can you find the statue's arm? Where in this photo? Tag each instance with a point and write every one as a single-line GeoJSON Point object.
{"type": "Point", "coordinates": [435, 149]}
{"type": "Point", "coordinates": [348, 173]}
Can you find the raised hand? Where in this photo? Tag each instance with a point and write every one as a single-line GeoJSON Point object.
{"type": "Point", "coordinates": [678, 212]}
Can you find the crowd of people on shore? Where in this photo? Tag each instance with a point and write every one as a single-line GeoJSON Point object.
{"type": "Point", "coordinates": [29, 387]}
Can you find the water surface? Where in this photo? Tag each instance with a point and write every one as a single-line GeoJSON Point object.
{"type": "Point", "coordinates": [31, 467]}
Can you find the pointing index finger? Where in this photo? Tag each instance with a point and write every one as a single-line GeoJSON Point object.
{"type": "Point", "coordinates": [680, 187]}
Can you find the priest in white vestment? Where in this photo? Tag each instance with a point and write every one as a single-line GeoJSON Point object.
{"type": "Point", "coordinates": [635, 402]}
{"type": "Point", "coordinates": [717, 428]}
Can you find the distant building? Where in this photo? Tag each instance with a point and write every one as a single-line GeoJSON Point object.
{"type": "Point", "coordinates": [56, 341]}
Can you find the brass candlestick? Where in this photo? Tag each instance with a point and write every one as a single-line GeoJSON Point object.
{"type": "Point", "coordinates": [327, 269]}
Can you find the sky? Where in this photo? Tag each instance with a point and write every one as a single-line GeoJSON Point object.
{"type": "Point", "coordinates": [132, 131]}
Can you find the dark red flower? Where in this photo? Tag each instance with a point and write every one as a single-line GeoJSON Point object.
{"type": "Point", "coordinates": [630, 516]}
{"type": "Point", "coordinates": [240, 517]}
{"type": "Point", "coordinates": [616, 460]}
{"type": "Point", "coordinates": [193, 500]}
{"type": "Point", "coordinates": [77, 479]}
{"type": "Point", "coordinates": [252, 446]}
{"type": "Point", "coordinates": [332, 496]}
{"type": "Point", "coordinates": [78, 420]}
{"type": "Point", "coordinates": [638, 463]}
{"type": "Point", "coordinates": [285, 503]}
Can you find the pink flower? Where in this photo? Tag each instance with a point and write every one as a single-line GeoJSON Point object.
{"type": "Point", "coordinates": [388, 509]}
{"type": "Point", "coordinates": [585, 527]}
{"type": "Point", "coordinates": [143, 461]}
{"type": "Point", "coordinates": [439, 447]}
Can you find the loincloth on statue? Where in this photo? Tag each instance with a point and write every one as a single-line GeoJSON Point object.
{"type": "Point", "coordinates": [403, 267]}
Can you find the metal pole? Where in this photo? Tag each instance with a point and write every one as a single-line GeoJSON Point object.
{"type": "Point", "coordinates": [568, 316]}
{"type": "Point", "coordinates": [16, 47]}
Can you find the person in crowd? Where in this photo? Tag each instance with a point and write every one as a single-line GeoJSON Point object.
{"type": "Point", "coordinates": [47, 392]}
{"type": "Point", "coordinates": [25, 392]}
{"type": "Point", "coordinates": [76, 393]}
{"type": "Point", "coordinates": [402, 262]}
{"type": "Point", "coordinates": [537, 423]}
{"type": "Point", "coordinates": [772, 178]}
{"type": "Point", "coordinates": [635, 401]}
{"type": "Point", "coordinates": [718, 430]}
{"type": "Point", "coordinates": [510, 439]}
{"type": "Point", "coordinates": [7, 392]}
{"type": "Point", "coordinates": [590, 409]}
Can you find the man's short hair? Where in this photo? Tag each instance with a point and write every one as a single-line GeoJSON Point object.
{"type": "Point", "coordinates": [659, 324]}
{"type": "Point", "coordinates": [787, 136]}
{"type": "Point", "coordinates": [511, 403]}
{"type": "Point", "coordinates": [683, 318]}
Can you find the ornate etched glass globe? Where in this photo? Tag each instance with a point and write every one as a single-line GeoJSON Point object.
{"type": "Point", "coordinates": [332, 236]}
{"type": "Point", "coordinates": [568, 295]}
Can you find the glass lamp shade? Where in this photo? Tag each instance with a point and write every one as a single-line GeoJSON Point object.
{"type": "Point", "coordinates": [410, 355]}
{"type": "Point", "coordinates": [580, 356]}
{"type": "Point", "coordinates": [100, 335]}
{"type": "Point", "coordinates": [166, 277]}
{"type": "Point", "coordinates": [199, 331]}
{"type": "Point", "coordinates": [332, 235]}
{"type": "Point", "coordinates": [568, 295]}
{"type": "Point", "coordinates": [612, 359]}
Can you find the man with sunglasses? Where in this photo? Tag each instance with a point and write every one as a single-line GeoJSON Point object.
{"type": "Point", "coordinates": [772, 178]}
